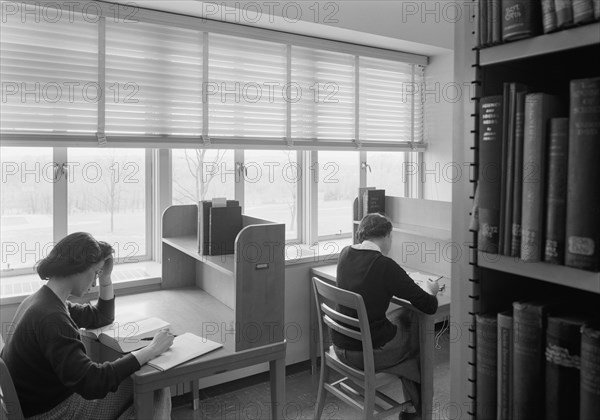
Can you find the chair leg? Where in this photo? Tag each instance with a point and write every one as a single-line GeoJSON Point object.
{"type": "Point", "coordinates": [369, 404]}
{"type": "Point", "coordinates": [321, 394]}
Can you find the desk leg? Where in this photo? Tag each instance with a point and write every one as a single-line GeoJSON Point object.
{"type": "Point", "coordinates": [426, 333]}
{"type": "Point", "coordinates": [144, 404]}
{"type": "Point", "coordinates": [195, 395]}
{"type": "Point", "coordinates": [277, 374]}
{"type": "Point", "coordinates": [312, 341]}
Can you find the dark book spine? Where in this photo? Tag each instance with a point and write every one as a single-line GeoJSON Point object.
{"type": "Point", "coordinates": [583, 11]}
{"type": "Point", "coordinates": [563, 350]}
{"type": "Point", "coordinates": [583, 191]}
{"type": "Point", "coordinates": [505, 364]}
{"type": "Point", "coordinates": [490, 21]}
{"type": "Point", "coordinates": [548, 16]}
{"type": "Point", "coordinates": [486, 327]}
{"type": "Point", "coordinates": [556, 208]}
{"type": "Point", "coordinates": [589, 399]}
{"type": "Point", "coordinates": [596, 9]}
{"type": "Point", "coordinates": [521, 19]}
{"type": "Point", "coordinates": [518, 178]}
{"type": "Point", "coordinates": [564, 13]}
{"type": "Point", "coordinates": [504, 168]}
{"type": "Point", "coordinates": [490, 154]}
{"type": "Point", "coordinates": [528, 363]}
{"type": "Point", "coordinates": [539, 109]}
{"type": "Point", "coordinates": [496, 21]}
{"type": "Point", "coordinates": [483, 40]}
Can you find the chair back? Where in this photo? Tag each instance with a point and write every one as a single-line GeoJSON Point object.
{"type": "Point", "coordinates": [361, 389]}
{"type": "Point", "coordinates": [10, 408]}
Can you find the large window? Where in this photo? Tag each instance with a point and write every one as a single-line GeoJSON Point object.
{"type": "Point", "coordinates": [48, 193]}
{"type": "Point", "coordinates": [388, 171]}
{"type": "Point", "coordinates": [338, 186]}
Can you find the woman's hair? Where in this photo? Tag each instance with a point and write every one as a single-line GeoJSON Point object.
{"type": "Point", "coordinates": [73, 254]}
{"type": "Point", "coordinates": [373, 225]}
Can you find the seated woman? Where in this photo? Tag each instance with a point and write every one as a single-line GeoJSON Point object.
{"type": "Point", "coordinates": [365, 269]}
{"type": "Point", "coordinates": [53, 376]}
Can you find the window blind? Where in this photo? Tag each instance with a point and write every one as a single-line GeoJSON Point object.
{"type": "Point", "coordinates": [387, 92]}
{"type": "Point", "coordinates": [153, 79]}
{"type": "Point", "coordinates": [322, 94]}
{"type": "Point", "coordinates": [246, 79]}
{"type": "Point", "coordinates": [49, 74]}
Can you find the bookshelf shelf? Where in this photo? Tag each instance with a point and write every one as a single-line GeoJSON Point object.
{"type": "Point", "coordinates": [189, 246]}
{"type": "Point", "coordinates": [577, 37]}
{"type": "Point", "coordinates": [558, 274]}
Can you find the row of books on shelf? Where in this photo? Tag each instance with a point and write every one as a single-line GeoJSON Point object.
{"type": "Point", "coordinates": [538, 192]}
{"type": "Point", "coordinates": [533, 362]}
{"type": "Point", "coordinates": [510, 20]}
{"type": "Point", "coordinates": [370, 200]}
{"type": "Point", "coordinates": [219, 222]}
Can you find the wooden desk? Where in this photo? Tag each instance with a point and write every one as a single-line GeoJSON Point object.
{"type": "Point", "coordinates": [193, 310]}
{"type": "Point", "coordinates": [426, 332]}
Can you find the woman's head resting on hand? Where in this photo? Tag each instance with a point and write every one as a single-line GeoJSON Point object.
{"type": "Point", "coordinates": [74, 254]}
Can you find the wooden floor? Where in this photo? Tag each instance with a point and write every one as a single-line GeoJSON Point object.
{"type": "Point", "coordinates": [248, 399]}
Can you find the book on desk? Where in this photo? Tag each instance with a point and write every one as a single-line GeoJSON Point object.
{"type": "Point", "coordinates": [185, 347]}
{"type": "Point", "coordinates": [127, 335]}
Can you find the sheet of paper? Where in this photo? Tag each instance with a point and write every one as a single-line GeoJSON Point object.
{"type": "Point", "coordinates": [185, 347]}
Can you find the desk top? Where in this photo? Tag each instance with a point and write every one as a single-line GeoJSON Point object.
{"type": "Point", "coordinates": [329, 272]}
{"type": "Point", "coordinates": [190, 310]}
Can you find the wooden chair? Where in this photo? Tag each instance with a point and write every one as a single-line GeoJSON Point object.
{"type": "Point", "coordinates": [360, 389]}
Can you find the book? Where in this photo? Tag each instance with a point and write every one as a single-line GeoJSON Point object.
{"type": "Point", "coordinates": [583, 11]}
{"type": "Point", "coordinates": [539, 109]}
{"type": "Point", "coordinates": [589, 397]}
{"type": "Point", "coordinates": [490, 25]}
{"type": "Point", "coordinates": [486, 371]}
{"type": "Point", "coordinates": [508, 164]}
{"type": "Point", "coordinates": [224, 225]}
{"type": "Point", "coordinates": [529, 344]}
{"type": "Point", "coordinates": [125, 336]}
{"type": "Point", "coordinates": [521, 19]}
{"type": "Point", "coordinates": [505, 363]}
{"type": "Point", "coordinates": [483, 38]}
{"type": "Point", "coordinates": [583, 188]}
{"type": "Point", "coordinates": [373, 201]}
{"type": "Point", "coordinates": [204, 223]}
{"type": "Point", "coordinates": [563, 350]}
{"type": "Point", "coordinates": [564, 13]}
{"type": "Point", "coordinates": [518, 175]}
{"type": "Point", "coordinates": [489, 183]}
{"type": "Point", "coordinates": [596, 9]}
{"type": "Point", "coordinates": [556, 192]}
{"type": "Point", "coordinates": [496, 21]}
{"type": "Point", "coordinates": [548, 16]}
{"type": "Point", "coordinates": [361, 194]}
{"type": "Point", "coordinates": [185, 347]}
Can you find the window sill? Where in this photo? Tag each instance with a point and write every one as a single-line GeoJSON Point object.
{"type": "Point", "coordinates": [325, 251]}
{"type": "Point", "coordinates": [127, 278]}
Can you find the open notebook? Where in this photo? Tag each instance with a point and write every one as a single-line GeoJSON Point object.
{"type": "Point", "coordinates": [185, 347]}
{"type": "Point", "coordinates": [126, 334]}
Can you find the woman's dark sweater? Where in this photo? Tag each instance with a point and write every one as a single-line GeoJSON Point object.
{"type": "Point", "coordinates": [46, 358]}
{"type": "Point", "coordinates": [377, 279]}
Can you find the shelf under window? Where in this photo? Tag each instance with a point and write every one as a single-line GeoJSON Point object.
{"type": "Point", "coordinates": [567, 39]}
{"type": "Point", "coordinates": [558, 274]}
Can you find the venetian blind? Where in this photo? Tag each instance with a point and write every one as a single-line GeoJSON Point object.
{"type": "Point", "coordinates": [153, 79]}
{"type": "Point", "coordinates": [322, 94]}
{"type": "Point", "coordinates": [49, 75]}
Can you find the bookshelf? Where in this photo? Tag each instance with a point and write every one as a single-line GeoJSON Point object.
{"type": "Point", "coordinates": [483, 282]}
{"type": "Point", "coordinates": [249, 282]}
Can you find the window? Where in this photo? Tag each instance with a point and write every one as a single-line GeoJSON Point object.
{"type": "Point", "coordinates": [201, 174]}
{"type": "Point", "coordinates": [26, 208]}
{"type": "Point", "coordinates": [387, 171]}
{"type": "Point", "coordinates": [48, 193]}
{"type": "Point", "coordinates": [271, 187]}
{"type": "Point", "coordinates": [338, 187]}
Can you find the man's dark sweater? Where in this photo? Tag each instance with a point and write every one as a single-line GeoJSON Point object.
{"type": "Point", "coordinates": [48, 361]}
{"type": "Point", "coordinates": [377, 279]}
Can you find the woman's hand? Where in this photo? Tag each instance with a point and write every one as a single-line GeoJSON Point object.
{"type": "Point", "coordinates": [105, 276]}
{"type": "Point", "coordinates": [161, 343]}
{"type": "Point", "coordinates": [432, 287]}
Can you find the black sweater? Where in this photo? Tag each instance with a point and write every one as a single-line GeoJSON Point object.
{"type": "Point", "coordinates": [48, 361]}
{"type": "Point", "coordinates": [377, 279]}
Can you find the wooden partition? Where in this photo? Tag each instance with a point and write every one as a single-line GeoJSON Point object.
{"type": "Point", "coordinates": [250, 282]}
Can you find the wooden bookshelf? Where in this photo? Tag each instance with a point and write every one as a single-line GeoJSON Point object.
{"type": "Point", "coordinates": [483, 282]}
{"type": "Point", "coordinates": [582, 36]}
{"type": "Point", "coordinates": [557, 274]}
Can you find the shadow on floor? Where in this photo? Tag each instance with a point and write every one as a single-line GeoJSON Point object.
{"type": "Point", "coordinates": [249, 398]}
